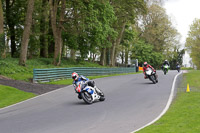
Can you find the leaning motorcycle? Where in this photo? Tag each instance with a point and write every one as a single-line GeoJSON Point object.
{"type": "Point", "coordinates": [178, 68]}
{"type": "Point", "coordinates": [151, 75]}
{"type": "Point", "coordinates": [87, 93]}
{"type": "Point", "coordinates": [165, 69]}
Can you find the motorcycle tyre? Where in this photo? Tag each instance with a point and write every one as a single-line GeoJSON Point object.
{"type": "Point", "coordinates": [165, 71]}
{"type": "Point", "coordinates": [152, 79]}
{"type": "Point", "coordinates": [102, 96]}
{"type": "Point", "coordinates": [85, 98]}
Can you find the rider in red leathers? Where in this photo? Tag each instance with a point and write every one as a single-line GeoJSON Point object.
{"type": "Point", "coordinates": [146, 65]}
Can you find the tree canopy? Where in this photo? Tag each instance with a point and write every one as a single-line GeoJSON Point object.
{"type": "Point", "coordinates": [103, 31]}
{"type": "Point", "coordinates": [193, 42]}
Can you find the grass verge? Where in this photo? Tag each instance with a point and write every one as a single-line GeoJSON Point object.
{"type": "Point", "coordinates": [9, 67]}
{"type": "Point", "coordinates": [10, 95]}
{"type": "Point", "coordinates": [184, 113]}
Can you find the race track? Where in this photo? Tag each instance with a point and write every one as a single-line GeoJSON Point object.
{"type": "Point", "coordinates": [131, 102]}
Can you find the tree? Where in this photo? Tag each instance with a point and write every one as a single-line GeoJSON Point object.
{"type": "Point", "coordinates": [193, 42]}
{"type": "Point", "coordinates": [126, 11]}
{"type": "Point", "coordinates": [144, 53]}
{"type": "Point", "coordinates": [14, 21]}
{"type": "Point", "coordinates": [2, 38]}
{"type": "Point", "coordinates": [127, 42]}
{"type": "Point", "coordinates": [57, 28]}
{"type": "Point", "coordinates": [44, 29]}
{"type": "Point", "coordinates": [90, 28]}
{"type": "Point", "coordinates": [26, 33]}
{"type": "Point", "coordinates": [157, 29]}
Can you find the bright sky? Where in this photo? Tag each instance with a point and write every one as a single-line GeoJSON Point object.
{"type": "Point", "coordinates": [183, 13]}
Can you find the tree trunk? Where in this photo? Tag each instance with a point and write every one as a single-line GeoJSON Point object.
{"type": "Point", "coordinates": [107, 56]}
{"type": "Point", "coordinates": [11, 26]}
{"type": "Point", "coordinates": [126, 56]}
{"type": "Point", "coordinates": [116, 44]}
{"type": "Point", "coordinates": [51, 42]}
{"type": "Point", "coordinates": [73, 54]}
{"type": "Point", "coordinates": [1, 18]}
{"type": "Point", "coordinates": [118, 41]}
{"type": "Point", "coordinates": [44, 30]}
{"type": "Point", "coordinates": [57, 30]}
{"type": "Point", "coordinates": [122, 55]}
{"type": "Point", "coordinates": [112, 60]}
{"type": "Point", "coordinates": [94, 57]}
{"type": "Point", "coordinates": [26, 33]}
{"type": "Point", "coordinates": [103, 56]}
{"type": "Point", "coordinates": [2, 38]}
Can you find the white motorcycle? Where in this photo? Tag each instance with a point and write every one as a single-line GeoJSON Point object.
{"type": "Point", "coordinates": [87, 93]}
{"type": "Point", "coordinates": [151, 75]}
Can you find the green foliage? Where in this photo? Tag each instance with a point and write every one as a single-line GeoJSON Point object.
{"type": "Point", "coordinates": [91, 27]}
{"type": "Point", "coordinates": [174, 57]}
{"type": "Point", "coordinates": [193, 42]}
{"type": "Point", "coordinates": [10, 95]}
{"type": "Point", "coordinates": [127, 10]}
{"type": "Point", "coordinates": [144, 53]}
{"type": "Point", "coordinates": [14, 21]}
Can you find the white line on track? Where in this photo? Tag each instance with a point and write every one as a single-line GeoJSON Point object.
{"type": "Point", "coordinates": [166, 107]}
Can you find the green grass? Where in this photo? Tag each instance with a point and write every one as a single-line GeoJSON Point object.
{"type": "Point", "coordinates": [187, 68]}
{"type": "Point", "coordinates": [193, 78]}
{"type": "Point", "coordinates": [184, 113]}
{"type": "Point", "coordinates": [10, 95]}
{"type": "Point", "coordinates": [9, 67]}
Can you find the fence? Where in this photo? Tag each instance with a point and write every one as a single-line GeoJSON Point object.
{"type": "Point", "coordinates": [46, 75]}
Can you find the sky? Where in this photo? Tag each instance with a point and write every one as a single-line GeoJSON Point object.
{"type": "Point", "coordinates": [183, 13]}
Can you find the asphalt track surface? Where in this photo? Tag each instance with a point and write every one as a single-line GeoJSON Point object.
{"type": "Point", "coordinates": [131, 102]}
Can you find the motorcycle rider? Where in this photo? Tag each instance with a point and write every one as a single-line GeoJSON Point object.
{"type": "Point", "coordinates": [146, 65]}
{"type": "Point", "coordinates": [177, 65]}
{"type": "Point", "coordinates": [86, 81]}
{"type": "Point", "coordinates": [165, 63]}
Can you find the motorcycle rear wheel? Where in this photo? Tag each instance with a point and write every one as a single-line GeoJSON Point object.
{"type": "Point", "coordinates": [152, 78]}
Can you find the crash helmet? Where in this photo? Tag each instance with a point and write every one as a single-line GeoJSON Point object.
{"type": "Point", "coordinates": [166, 60]}
{"type": "Point", "coordinates": [145, 64]}
{"type": "Point", "coordinates": [74, 76]}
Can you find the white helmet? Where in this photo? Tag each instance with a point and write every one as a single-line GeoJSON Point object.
{"type": "Point", "coordinates": [74, 76]}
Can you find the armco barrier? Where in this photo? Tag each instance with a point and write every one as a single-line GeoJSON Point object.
{"type": "Point", "coordinates": [46, 75]}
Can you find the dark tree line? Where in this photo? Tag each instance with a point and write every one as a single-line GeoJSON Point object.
{"type": "Point", "coordinates": [103, 30]}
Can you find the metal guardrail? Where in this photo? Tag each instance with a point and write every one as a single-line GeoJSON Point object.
{"type": "Point", "coordinates": [47, 75]}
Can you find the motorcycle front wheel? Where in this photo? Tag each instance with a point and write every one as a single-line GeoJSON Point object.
{"type": "Point", "coordinates": [87, 97]}
{"type": "Point", "coordinates": [165, 71]}
{"type": "Point", "coordinates": [102, 96]}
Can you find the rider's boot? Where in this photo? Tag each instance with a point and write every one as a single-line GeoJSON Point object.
{"type": "Point", "coordinates": [79, 96]}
